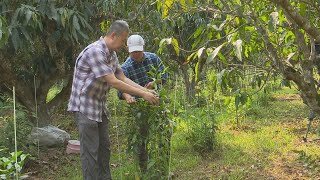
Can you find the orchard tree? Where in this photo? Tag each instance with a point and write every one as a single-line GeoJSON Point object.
{"type": "Point", "coordinates": [287, 32]}
{"type": "Point", "coordinates": [187, 32]}
{"type": "Point", "coordinates": [277, 36]}
{"type": "Point", "coordinates": [39, 41]}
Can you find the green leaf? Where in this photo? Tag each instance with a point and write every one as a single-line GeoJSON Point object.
{"type": "Point", "coordinates": [220, 76]}
{"type": "Point", "coordinates": [63, 21]}
{"type": "Point", "coordinates": [26, 34]}
{"type": "Point", "coordinates": [15, 155]}
{"type": "Point", "coordinates": [85, 23]}
{"type": "Point", "coordinates": [259, 81]}
{"type": "Point", "coordinates": [220, 28]}
{"type": "Point", "coordinates": [83, 34]}
{"type": "Point", "coordinates": [264, 18]}
{"type": "Point", "coordinates": [183, 4]}
{"type": "Point", "coordinates": [40, 25]}
{"type": "Point", "coordinates": [198, 32]}
{"type": "Point", "coordinates": [222, 58]}
{"type": "Point", "coordinates": [161, 44]}
{"type": "Point", "coordinates": [214, 53]}
{"type": "Point", "coordinates": [14, 19]}
{"type": "Point", "coordinates": [64, 17]}
{"type": "Point", "coordinates": [273, 21]}
{"type": "Point", "coordinates": [175, 45]}
{"type": "Point", "coordinates": [23, 157]}
{"type": "Point", "coordinates": [15, 39]}
{"type": "Point", "coordinates": [227, 101]}
{"type": "Point", "coordinates": [197, 70]}
{"type": "Point", "coordinates": [246, 52]}
{"type": "Point", "coordinates": [243, 98]}
{"type": "Point", "coordinates": [290, 56]}
{"type": "Point", "coordinates": [168, 40]}
{"type": "Point", "coordinates": [200, 51]}
{"type": "Point", "coordinates": [238, 49]}
{"type": "Point", "coordinates": [74, 34]}
{"type": "Point", "coordinates": [191, 56]}
{"type": "Point", "coordinates": [303, 8]}
{"type": "Point", "coordinates": [196, 42]}
{"type": "Point", "coordinates": [164, 6]}
{"type": "Point", "coordinates": [289, 37]}
{"type": "Point", "coordinates": [76, 22]}
{"type": "Point", "coordinates": [210, 35]}
{"type": "Point", "coordinates": [28, 16]}
{"type": "Point", "coordinates": [150, 164]}
{"type": "Point", "coordinates": [283, 35]}
{"type": "Point", "coordinates": [4, 32]}
{"type": "Point", "coordinates": [53, 11]}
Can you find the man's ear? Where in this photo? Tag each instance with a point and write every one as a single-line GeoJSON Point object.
{"type": "Point", "coordinates": [113, 35]}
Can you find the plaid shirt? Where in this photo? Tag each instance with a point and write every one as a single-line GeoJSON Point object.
{"type": "Point", "coordinates": [89, 89]}
{"type": "Point", "coordinates": [138, 72]}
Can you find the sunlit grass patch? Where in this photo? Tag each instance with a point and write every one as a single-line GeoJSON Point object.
{"type": "Point", "coordinates": [184, 157]}
{"type": "Point", "coordinates": [250, 144]}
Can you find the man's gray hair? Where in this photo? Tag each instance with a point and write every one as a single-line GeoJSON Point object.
{"type": "Point", "coordinates": [118, 27]}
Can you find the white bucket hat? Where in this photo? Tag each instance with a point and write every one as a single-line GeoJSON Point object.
{"type": "Point", "coordinates": [135, 43]}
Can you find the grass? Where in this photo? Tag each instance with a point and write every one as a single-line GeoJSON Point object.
{"type": "Point", "coordinates": [180, 148]}
{"type": "Point", "coordinates": [260, 148]}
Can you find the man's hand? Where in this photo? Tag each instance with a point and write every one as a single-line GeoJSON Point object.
{"type": "Point", "coordinates": [151, 98]}
{"type": "Point", "coordinates": [152, 91]}
{"type": "Point", "coordinates": [150, 85]}
{"type": "Point", "coordinates": [130, 99]}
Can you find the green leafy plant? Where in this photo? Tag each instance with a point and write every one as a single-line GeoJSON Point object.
{"type": "Point", "coordinates": [201, 130]}
{"type": "Point", "coordinates": [156, 75]}
{"type": "Point", "coordinates": [159, 126]}
{"type": "Point", "coordinates": [152, 127]}
{"type": "Point", "coordinates": [24, 127]}
{"type": "Point", "coordinates": [11, 165]}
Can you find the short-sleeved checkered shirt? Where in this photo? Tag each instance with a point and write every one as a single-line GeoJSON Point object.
{"type": "Point", "coordinates": [89, 89]}
{"type": "Point", "coordinates": [138, 71]}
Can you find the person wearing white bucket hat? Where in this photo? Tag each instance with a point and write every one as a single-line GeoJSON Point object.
{"type": "Point", "coordinates": [136, 68]}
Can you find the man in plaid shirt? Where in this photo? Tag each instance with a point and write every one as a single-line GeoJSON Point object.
{"type": "Point", "coordinates": [136, 68]}
{"type": "Point", "coordinates": [96, 71]}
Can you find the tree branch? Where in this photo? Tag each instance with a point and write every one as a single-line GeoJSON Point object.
{"type": "Point", "coordinates": [301, 21]}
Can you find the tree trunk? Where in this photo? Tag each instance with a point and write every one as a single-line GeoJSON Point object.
{"type": "Point", "coordinates": [189, 85]}
{"type": "Point", "coordinates": [304, 79]}
{"type": "Point", "coordinates": [25, 91]}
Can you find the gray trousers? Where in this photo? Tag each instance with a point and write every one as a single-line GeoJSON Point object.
{"type": "Point", "coordinates": [94, 147]}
